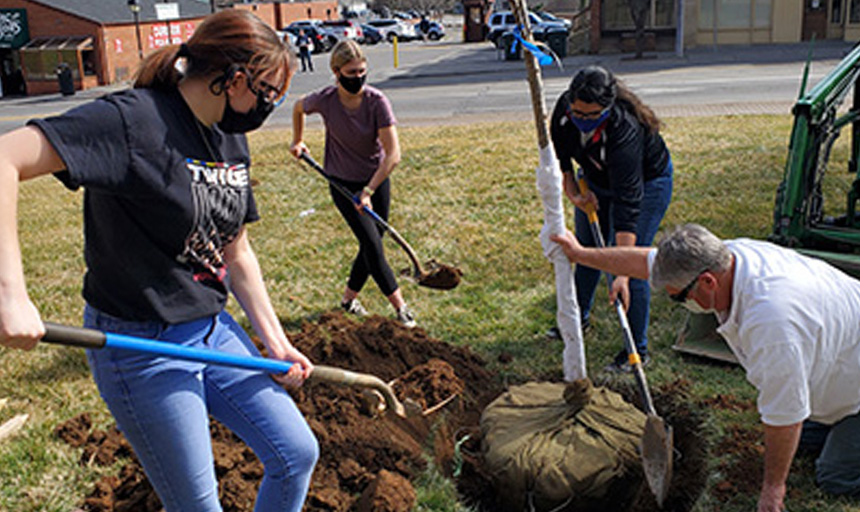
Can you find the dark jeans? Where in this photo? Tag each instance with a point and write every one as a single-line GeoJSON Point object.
{"type": "Point", "coordinates": [370, 260]}
{"type": "Point", "coordinates": [837, 468]}
{"type": "Point", "coordinates": [658, 193]}
{"type": "Point", "coordinates": [305, 56]}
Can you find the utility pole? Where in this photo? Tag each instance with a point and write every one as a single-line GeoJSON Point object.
{"type": "Point", "coordinates": [135, 11]}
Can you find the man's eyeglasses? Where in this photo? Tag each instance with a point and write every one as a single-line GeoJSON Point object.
{"type": "Point", "coordinates": [681, 296]}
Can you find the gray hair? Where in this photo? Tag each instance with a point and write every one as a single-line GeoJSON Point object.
{"type": "Point", "coordinates": [685, 253]}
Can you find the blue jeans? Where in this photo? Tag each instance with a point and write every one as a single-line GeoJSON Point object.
{"type": "Point", "coordinates": [163, 405]}
{"type": "Point", "coordinates": [837, 469]}
{"type": "Point", "coordinates": [655, 202]}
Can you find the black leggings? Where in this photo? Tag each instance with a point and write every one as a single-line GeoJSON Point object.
{"type": "Point", "coordinates": [370, 260]}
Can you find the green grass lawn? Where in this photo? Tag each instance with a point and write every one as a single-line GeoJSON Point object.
{"type": "Point", "coordinates": [464, 195]}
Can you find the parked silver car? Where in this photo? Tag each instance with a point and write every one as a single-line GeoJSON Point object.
{"type": "Point", "coordinates": [390, 27]}
{"type": "Point", "coordinates": [503, 21]}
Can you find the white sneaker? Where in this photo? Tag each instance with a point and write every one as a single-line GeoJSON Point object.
{"type": "Point", "coordinates": [406, 317]}
{"type": "Point", "coordinates": [354, 307]}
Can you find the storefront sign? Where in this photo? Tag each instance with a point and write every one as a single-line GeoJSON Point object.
{"type": "Point", "coordinates": [164, 34]}
{"type": "Point", "coordinates": [14, 32]}
{"type": "Point", "coordinates": [167, 11]}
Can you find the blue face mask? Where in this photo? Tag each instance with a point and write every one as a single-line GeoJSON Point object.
{"type": "Point", "coordinates": [587, 125]}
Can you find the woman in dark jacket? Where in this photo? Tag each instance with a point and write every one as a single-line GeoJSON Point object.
{"type": "Point", "coordinates": [614, 138]}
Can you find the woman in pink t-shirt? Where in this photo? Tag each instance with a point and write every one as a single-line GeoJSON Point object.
{"type": "Point", "coordinates": [361, 150]}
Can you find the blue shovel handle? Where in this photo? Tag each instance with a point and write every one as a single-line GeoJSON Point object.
{"type": "Point", "coordinates": [93, 339]}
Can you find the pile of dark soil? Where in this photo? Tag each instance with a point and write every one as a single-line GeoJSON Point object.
{"type": "Point", "coordinates": [367, 460]}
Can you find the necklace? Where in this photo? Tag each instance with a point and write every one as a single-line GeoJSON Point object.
{"type": "Point", "coordinates": [203, 136]}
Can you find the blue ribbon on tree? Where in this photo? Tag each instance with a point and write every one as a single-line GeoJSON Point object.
{"type": "Point", "coordinates": [542, 58]}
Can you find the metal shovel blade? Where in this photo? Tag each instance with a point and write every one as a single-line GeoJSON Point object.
{"type": "Point", "coordinates": [657, 450]}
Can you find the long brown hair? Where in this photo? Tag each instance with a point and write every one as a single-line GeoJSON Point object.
{"type": "Point", "coordinates": [231, 38]}
{"type": "Point", "coordinates": [643, 112]}
{"type": "Point", "coordinates": [596, 84]}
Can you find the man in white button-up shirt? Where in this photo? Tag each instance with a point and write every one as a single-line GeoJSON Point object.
{"type": "Point", "coordinates": [792, 321]}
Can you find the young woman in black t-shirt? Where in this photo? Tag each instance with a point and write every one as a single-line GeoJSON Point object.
{"type": "Point", "coordinates": [165, 172]}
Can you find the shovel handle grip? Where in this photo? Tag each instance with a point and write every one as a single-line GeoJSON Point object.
{"type": "Point", "coordinates": [74, 336]}
{"type": "Point", "coordinates": [589, 208]}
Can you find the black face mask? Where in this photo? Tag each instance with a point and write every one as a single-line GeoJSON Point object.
{"type": "Point", "coordinates": [237, 122]}
{"type": "Point", "coordinates": [352, 84]}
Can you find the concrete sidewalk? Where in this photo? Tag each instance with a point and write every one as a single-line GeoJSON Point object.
{"type": "Point", "coordinates": [451, 59]}
{"type": "Point", "coordinates": [481, 58]}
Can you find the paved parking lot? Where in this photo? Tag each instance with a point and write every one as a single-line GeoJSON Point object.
{"type": "Point", "coordinates": [453, 82]}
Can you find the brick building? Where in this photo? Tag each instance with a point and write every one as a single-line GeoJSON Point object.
{"type": "Point", "coordinates": [100, 40]}
{"type": "Point", "coordinates": [607, 25]}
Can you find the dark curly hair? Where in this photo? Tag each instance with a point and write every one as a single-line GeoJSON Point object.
{"type": "Point", "coordinates": [596, 84]}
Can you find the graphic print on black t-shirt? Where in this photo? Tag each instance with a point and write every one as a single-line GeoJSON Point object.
{"type": "Point", "coordinates": [220, 195]}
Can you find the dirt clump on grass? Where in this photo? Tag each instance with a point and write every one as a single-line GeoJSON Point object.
{"type": "Point", "coordinates": [367, 460]}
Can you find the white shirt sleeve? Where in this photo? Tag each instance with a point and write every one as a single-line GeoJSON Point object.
{"type": "Point", "coordinates": [652, 255]}
{"type": "Point", "coordinates": [775, 365]}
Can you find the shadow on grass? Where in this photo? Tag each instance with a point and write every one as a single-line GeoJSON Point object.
{"type": "Point", "coordinates": [60, 364]}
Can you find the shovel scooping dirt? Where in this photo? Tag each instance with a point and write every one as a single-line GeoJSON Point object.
{"type": "Point", "coordinates": [436, 275]}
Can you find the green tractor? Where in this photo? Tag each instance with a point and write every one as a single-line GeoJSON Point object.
{"type": "Point", "coordinates": [799, 217]}
{"type": "Point", "coordinates": [799, 214]}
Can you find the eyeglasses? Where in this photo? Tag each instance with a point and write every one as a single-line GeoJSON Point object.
{"type": "Point", "coordinates": [681, 296]}
{"type": "Point", "coordinates": [267, 92]}
{"type": "Point", "coordinates": [594, 114]}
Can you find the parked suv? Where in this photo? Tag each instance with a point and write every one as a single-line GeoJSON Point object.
{"type": "Point", "coordinates": [342, 29]}
{"type": "Point", "coordinates": [552, 18]}
{"type": "Point", "coordinates": [322, 40]}
{"type": "Point", "coordinates": [370, 35]}
{"type": "Point", "coordinates": [391, 27]}
{"type": "Point", "coordinates": [503, 21]}
{"type": "Point", "coordinates": [435, 30]}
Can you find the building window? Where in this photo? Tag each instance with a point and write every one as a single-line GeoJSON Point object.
{"type": "Point", "coordinates": [736, 13]}
{"type": "Point", "coordinates": [88, 59]}
{"type": "Point", "coordinates": [762, 14]}
{"type": "Point", "coordinates": [616, 15]}
{"type": "Point", "coordinates": [854, 12]}
{"type": "Point", "coordinates": [836, 12]}
{"type": "Point", "coordinates": [41, 56]}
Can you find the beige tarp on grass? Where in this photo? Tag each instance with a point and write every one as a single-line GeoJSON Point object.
{"type": "Point", "coordinates": [548, 444]}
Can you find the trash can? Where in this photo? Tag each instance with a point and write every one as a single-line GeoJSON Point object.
{"type": "Point", "coordinates": [513, 49]}
{"type": "Point", "coordinates": [64, 77]}
{"type": "Point", "coordinates": [557, 42]}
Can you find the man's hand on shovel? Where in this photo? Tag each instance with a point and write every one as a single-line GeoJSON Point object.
{"type": "Point", "coordinates": [620, 290]}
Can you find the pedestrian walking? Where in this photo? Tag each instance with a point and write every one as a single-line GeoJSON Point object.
{"type": "Point", "coordinates": [303, 41]}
